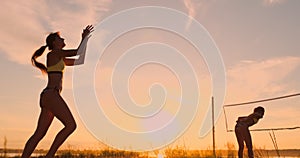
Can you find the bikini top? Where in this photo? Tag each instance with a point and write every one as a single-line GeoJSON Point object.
{"type": "Point", "coordinates": [58, 67]}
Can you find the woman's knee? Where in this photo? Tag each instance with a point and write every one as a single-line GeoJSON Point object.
{"type": "Point", "coordinates": [71, 126]}
{"type": "Point", "coordinates": [241, 146]}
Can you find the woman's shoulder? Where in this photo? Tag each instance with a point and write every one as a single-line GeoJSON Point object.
{"type": "Point", "coordinates": [53, 57]}
{"type": "Point", "coordinates": [56, 55]}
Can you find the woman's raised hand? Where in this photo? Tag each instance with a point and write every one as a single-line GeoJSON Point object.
{"type": "Point", "coordinates": [88, 29]}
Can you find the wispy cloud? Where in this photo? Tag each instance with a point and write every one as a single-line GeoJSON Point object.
{"type": "Point", "coordinates": [26, 24]}
{"type": "Point", "coordinates": [189, 4]}
{"type": "Point", "coordinates": [196, 8]}
{"type": "Point", "coordinates": [260, 79]}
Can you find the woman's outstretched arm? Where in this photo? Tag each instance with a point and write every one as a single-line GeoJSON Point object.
{"type": "Point", "coordinates": [81, 50]}
{"type": "Point", "coordinates": [81, 58]}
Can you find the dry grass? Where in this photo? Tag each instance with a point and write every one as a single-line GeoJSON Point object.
{"type": "Point", "coordinates": [176, 152]}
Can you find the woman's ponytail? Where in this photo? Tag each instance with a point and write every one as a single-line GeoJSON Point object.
{"type": "Point", "coordinates": [35, 55]}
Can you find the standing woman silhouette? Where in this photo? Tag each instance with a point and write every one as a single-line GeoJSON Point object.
{"type": "Point", "coordinates": [51, 103]}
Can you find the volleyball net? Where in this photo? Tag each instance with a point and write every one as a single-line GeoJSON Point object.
{"type": "Point", "coordinates": [281, 113]}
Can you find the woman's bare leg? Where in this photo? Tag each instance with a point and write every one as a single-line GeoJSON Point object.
{"type": "Point", "coordinates": [63, 113]}
{"type": "Point", "coordinates": [45, 119]}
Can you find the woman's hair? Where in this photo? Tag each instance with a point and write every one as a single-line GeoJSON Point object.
{"type": "Point", "coordinates": [49, 43]}
{"type": "Point", "coordinates": [259, 109]}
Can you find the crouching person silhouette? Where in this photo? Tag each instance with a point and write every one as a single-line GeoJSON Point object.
{"type": "Point", "coordinates": [242, 130]}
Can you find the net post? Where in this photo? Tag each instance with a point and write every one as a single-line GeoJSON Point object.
{"type": "Point", "coordinates": [213, 126]}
